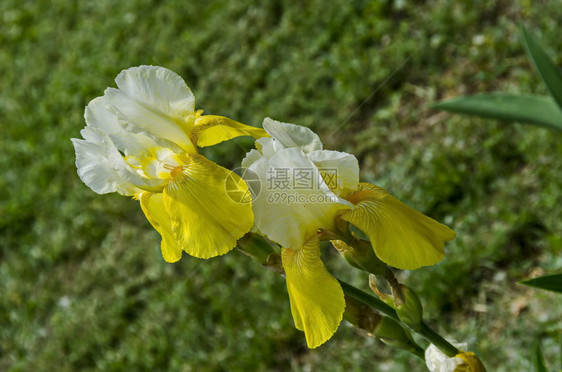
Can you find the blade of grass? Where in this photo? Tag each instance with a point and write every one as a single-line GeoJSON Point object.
{"type": "Point", "coordinates": [539, 110]}
{"type": "Point", "coordinates": [549, 72]}
{"type": "Point", "coordinates": [538, 358]}
{"type": "Point", "coordinates": [547, 282]}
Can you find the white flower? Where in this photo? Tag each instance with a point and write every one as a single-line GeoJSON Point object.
{"type": "Point", "coordinates": [141, 140]}
{"type": "Point", "coordinates": [295, 200]}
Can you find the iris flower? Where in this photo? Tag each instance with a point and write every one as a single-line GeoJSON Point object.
{"type": "Point", "coordinates": [141, 140]}
{"type": "Point", "coordinates": [305, 188]}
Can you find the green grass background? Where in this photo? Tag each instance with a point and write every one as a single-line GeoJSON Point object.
{"type": "Point", "coordinates": [82, 283]}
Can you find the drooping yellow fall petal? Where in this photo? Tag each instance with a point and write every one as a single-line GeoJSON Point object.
{"type": "Point", "coordinates": [153, 207]}
{"type": "Point", "coordinates": [401, 236]}
{"type": "Point", "coordinates": [207, 213]}
{"type": "Point", "coordinates": [317, 300]}
{"type": "Point", "coordinates": [211, 129]}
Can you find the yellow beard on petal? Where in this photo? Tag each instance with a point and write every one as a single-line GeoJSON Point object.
{"type": "Point", "coordinates": [159, 163]}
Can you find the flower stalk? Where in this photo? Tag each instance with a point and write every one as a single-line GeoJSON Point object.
{"type": "Point", "coordinates": [425, 331]}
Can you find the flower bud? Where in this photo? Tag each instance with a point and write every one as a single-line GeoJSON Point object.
{"type": "Point", "coordinates": [393, 334]}
{"type": "Point", "coordinates": [385, 297]}
{"type": "Point", "coordinates": [388, 330]}
{"type": "Point", "coordinates": [404, 300]}
{"type": "Point", "coordinates": [359, 253]}
{"type": "Point", "coordinates": [462, 362]}
{"type": "Point", "coordinates": [408, 307]}
{"type": "Point", "coordinates": [470, 363]}
{"type": "Point", "coordinates": [361, 315]}
{"type": "Point", "coordinates": [274, 263]}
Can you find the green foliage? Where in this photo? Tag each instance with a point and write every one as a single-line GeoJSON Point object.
{"type": "Point", "coordinates": [550, 73]}
{"type": "Point", "coordinates": [548, 282]}
{"type": "Point", "coordinates": [539, 358]}
{"type": "Point", "coordinates": [538, 110]}
{"type": "Point", "coordinates": [82, 282]}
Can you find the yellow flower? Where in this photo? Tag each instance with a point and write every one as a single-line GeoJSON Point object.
{"type": "Point", "coordinates": [141, 140]}
{"type": "Point", "coordinates": [305, 188]}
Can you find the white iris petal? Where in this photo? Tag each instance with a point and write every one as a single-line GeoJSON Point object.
{"type": "Point", "coordinates": [291, 135]}
{"type": "Point", "coordinates": [289, 208]}
{"type": "Point", "coordinates": [345, 166]}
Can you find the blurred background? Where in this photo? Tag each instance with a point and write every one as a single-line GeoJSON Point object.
{"type": "Point", "coordinates": [82, 283]}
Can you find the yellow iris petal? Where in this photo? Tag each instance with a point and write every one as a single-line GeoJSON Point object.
{"type": "Point", "coordinates": [206, 211]}
{"type": "Point", "coordinates": [210, 130]}
{"type": "Point", "coordinates": [153, 207]}
{"type": "Point", "coordinates": [401, 236]}
{"type": "Point", "coordinates": [317, 301]}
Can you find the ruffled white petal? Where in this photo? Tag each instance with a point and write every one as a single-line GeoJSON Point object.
{"type": "Point", "coordinates": [158, 88]}
{"type": "Point", "coordinates": [95, 171]}
{"type": "Point", "coordinates": [154, 100]}
{"type": "Point", "coordinates": [436, 361]}
{"type": "Point", "coordinates": [251, 157]}
{"type": "Point", "coordinates": [92, 135]}
{"type": "Point", "coordinates": [138, 117]}
{"type": "Point", "coordinates": [286, 211]}
{"type": "Point", "coordinates": [268, 146]}
{"type": "Point", "coordinates": [343, 166]}
{"type": "Point", "coordinates": [291, 135]}
{"type": "Point", "coordinates": [97, 116]}
{"type": "Point", "coordinates": [101, 148]}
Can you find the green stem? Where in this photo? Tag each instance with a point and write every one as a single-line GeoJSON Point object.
{"type": "Point", "coordinates": [436, 339]}
{"type": "Point", "coordinates": [368, 300]}
{"type": "Point", "coordinates": [420, 353]}
{"type": "Point", "coordinates": [425, 331]}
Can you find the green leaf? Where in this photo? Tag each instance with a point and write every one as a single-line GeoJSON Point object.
{"type": "Point", "coordinates": [538, 358]}
{"type": "Point", "coordinates": [539, 110]}
{"type": "Point", "coordinates": [548, 282]}
{"type": "Point", "coordinates": [549, 72]}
